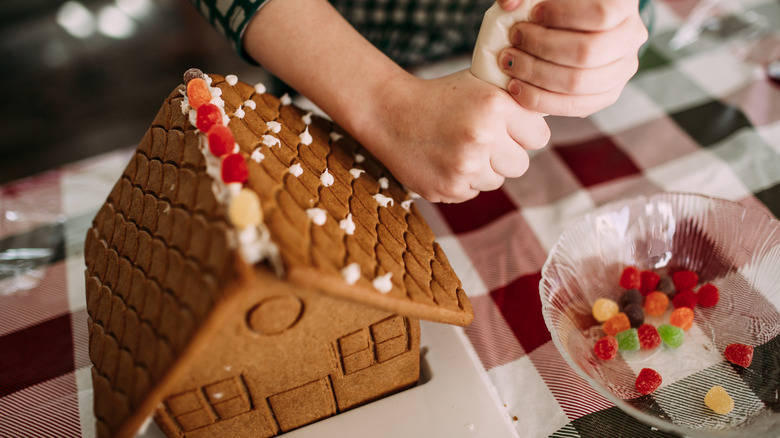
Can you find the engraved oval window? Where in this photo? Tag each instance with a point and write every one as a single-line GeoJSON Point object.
{"type": "Point", "coordinates": [274, 315]}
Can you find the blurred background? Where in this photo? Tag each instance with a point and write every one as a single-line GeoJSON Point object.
{"type": "Point", "coordinates": [81, 77]}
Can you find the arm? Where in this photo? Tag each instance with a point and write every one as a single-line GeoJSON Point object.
{"type": "Point", "coordinates": [447, 138]}
{"type": "Point", "coordinates": [574, 56]}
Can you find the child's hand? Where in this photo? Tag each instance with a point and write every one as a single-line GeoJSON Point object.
{"type": "Point", "coordinates": [575, 56]}
{"type": "Point", "coordinates": [452, 137]}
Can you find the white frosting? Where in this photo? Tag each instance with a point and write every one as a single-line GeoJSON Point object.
{"type": "Point", "coordinates": [413, 194]}
{"type": "Point", "coordinates": [494, 37]}
{"type": "Point", "coordinates": [250, 103]}
{"type": "Point", "coordinates": [356, 172]}
{"type": "Point", "coordinates": [232, 80]}
{"type": "Point", "coordinates": [326, 178]}
{"type": "Point", "coordinates": [306, 118]}
{"type": "Point", "coordinates": [348, 225]}
{"type": "Point", "coordinates": [259, 88]}
{"type": "Point", "coordinates": [383, 283]}
{"type": "Point", "coordinates": [384, 183]}
{"type": "Point", "coordinates": [351, 273]}
{"type": "Point", "coordinates": [407, 204]}
{"type": "Point", "coordinates": [274, 127]}
{"type": "Point", "coordinates": [240, 113]}
{"type": "Point", "coordinates": [225, 119]}
{"type": "Point", "coordinates": [257, 155]}
{"type": "Point", "coordinates": [234, 189]}
{"type": "Point", "coordinates": [335, 136]}
{"type": "Point", "coordinates": [286, 99]}
{"type": "Point", "coordinates": [296, 170]}
{"type": "Point", "coordinates": [305, 137]}
{"type": "Point", "coordinates": [359, 158]}
{"type": "Point", "coordinates": [236, 149]}
{"type": "Point", "coordinates": [317, 215]}
{"type": "Point", "coordinates": [383, 200]}
{"type": "Point", "coordinates": [270, 141]}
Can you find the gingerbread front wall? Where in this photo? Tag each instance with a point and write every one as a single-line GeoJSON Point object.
{"type": "Point", "coordinates": [287, 358]}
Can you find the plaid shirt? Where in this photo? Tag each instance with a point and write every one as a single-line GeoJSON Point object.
{"type": "Point", "coordinates": [408, 31]}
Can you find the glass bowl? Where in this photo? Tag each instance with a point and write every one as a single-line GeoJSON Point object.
{"type": "Point", "coordinates": [729, 245]}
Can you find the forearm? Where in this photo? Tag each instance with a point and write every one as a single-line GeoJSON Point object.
{"type": "Point", "coordinates": [310, 46]}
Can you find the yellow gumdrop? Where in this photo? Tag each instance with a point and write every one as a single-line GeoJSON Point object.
{"type": "Point", "coordinates": [244, 209]}
{"type": "Point", "coordinates": [719, 400]}
{"type": "Point", "coordinates": [604, 308]}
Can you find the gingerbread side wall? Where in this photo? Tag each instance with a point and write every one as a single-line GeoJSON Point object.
{"type": "Point", "coordinates": [149, 284]}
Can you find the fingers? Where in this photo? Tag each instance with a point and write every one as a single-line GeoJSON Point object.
{"type": "Point", "coordinates": [583, 15]}
{"type": "Point", "coordinates": [580, 49]}
{"type": "Point", "coordinates": [561, 104]}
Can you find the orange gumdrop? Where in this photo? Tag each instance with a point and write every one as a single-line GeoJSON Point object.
{"type": "Point", "coordinates": [682, 317]}
{"type": "Point", "coordinates": [616, 324]}
{"type": "Point", "coordinates": [656, 303]}
{"type": "Point", "coordinates": [198, 93]}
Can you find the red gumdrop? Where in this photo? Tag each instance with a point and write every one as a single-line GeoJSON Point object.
{"type": "Point", "coordinates": [649, 338]}
{"type": "Point", "coordinates": [629, 278]}
{"type": "Point", "coordinates": [685, 280]}
{"type": "Point", "coordinates": [606, 348]}
{"type": "Point", "coordinates": [208, 116]}
{"type": "Point", "coordinates": [685, 298]}
{"type": "Point", "coordinates": [708, 295]}
{"type": "Point", "coordinates": [234, 169]}
{"type": "Point", "coordinates": [220, 140]}
{"type": "Point", "coordinates": [739, 354]}
{"type": "Point", "coordinates": [648, 280]}
{"type": "Point", "coordinates": [648, 381]}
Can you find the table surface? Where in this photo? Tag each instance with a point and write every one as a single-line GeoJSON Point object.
{"type": "Point", "coordinates": [700, 116]}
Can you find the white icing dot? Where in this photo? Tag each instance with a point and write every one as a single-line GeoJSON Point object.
{"type": "Point", "coordinates": [236, 149]}
{"type": "Point", "coordinates": [359, 158]}
{"type": "Point", "coordinates": [274, 127]}
{"type": "Point", "coordinates": [335, 136]}
{"type": "Point", "coordinates": [257, 155]}
{"type": "Point", "coordinates": [326, 178]}
{"type": "Point", "coordinates": [317, 215]}
{"type": "Point", "coordinates": [356, 172]}
{"type": "Point", "coordinates": [413, 195]}
{"type": "Point", "coordinates": [347, 224]}
{"type": "Point", "coordinates": [296, 170]}
{"type": "Point", "coordinates": [286, 99]}
{"type": "Point", "coordinates": [240, 113]}
{"type": "Point", "coordinates": [270, 140]}
{"type": "Point", "coordinates": [259, 88]}
{"type": "Point", "coordinates": [307, 118]}
{"type": "Point", "coordinates": [231, 80]}
{"type": "Point", "coordinates": [250, 103]}
{"type": "Point", "coordinates": [306, 137]}
{"type": "Point", "coordinates": [407, 204]}
{"type": "Point", "coordinates": [351, 273]}
{"type": "Point", "coordinates": [225, 119]}
{"type": "Point", "coordinates": [383, 200]}
{"type": "Point", "coordinates": [384, 183]}
{"type": "Point", "coordinates": [217, 395]}
{"type": "Point", "coordinates": [383, 283]}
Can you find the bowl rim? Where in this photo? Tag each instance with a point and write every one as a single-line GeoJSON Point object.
{"type": "Point", "coordinates": [650, 420]}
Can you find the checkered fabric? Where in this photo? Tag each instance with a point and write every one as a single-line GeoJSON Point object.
{"type": "Point", "coordinates": [408, 31]}
{"type": "Point", "coordinates": [703, 118]}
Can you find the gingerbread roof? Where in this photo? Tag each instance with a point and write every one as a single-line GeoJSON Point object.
{"type": "Point", "coordinates": [163, 251]}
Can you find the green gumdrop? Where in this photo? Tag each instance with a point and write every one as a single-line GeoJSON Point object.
{"type": "Point", "coordinates": [672, 336]}
{"type": "Point", "coordinates": [628, 340]}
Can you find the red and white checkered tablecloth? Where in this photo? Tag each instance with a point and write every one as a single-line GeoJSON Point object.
{"type": "Point", "coordinates": [703, 117]}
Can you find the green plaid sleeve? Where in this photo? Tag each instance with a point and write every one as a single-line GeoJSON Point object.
{"type": "Point", "coordinates": [229, 18]}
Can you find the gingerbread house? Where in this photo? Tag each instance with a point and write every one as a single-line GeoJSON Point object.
{"type": "Point", "coordinates": [254, 300]}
